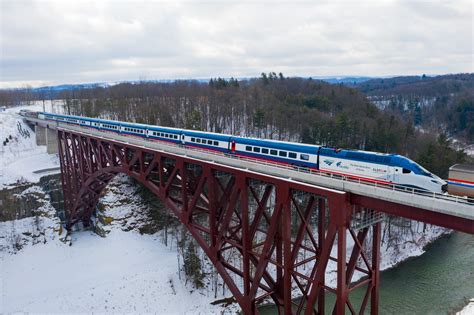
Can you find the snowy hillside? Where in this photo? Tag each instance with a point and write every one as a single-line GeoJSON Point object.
{"type": "Point", "coordinates": [20, 158]}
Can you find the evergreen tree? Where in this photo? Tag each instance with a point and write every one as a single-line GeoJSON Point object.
{"type": "Point", "coordinates": [192, 266]}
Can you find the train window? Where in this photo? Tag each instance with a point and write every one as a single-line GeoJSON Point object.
{"type": "Point", "coordinates": [255, 149]}
{"type": "Point", "coordinates": [248, 148]}
{"type": "Point", "coordinates": [198, 140]}
{"type": "Point", "coordinates": [209, 142]}
{"type": "Point", "coordinates": [304, 157]}
{"type": "Point", "coordinates": [193, 139]}
{"type": "Point", "coordinates": [216, 143]}
{"type": "Point", "coordinates": [273, 152]}
{"type": "Point", "coordinates": [175, 136]}
{"type": "Point", "coordinates": [282, 153]}
{"type": "Point", "coordinates": [406, 171]}
{"type": "Point", "coordinates": [264, 151]}
{"type": "Point", "coordinates": [292, 155]}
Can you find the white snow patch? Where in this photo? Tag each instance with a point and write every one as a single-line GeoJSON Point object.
{"type": "Point", "coordinates": [124, 272]}
{"type": "Point", "coordinates": [468, 309]}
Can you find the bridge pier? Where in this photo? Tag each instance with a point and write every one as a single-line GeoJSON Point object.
{"type": "Point", "coordinates": [48, 137]}
{"type": "Point", "coordinates": [51, 141]}
{"type": "Point", "coordinates": [40, 135]}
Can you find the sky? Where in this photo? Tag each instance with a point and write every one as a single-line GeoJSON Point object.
{"type": "Point", "coordinates": [47, 42]}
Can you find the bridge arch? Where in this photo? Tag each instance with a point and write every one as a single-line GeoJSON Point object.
{"type": "Point", "coordinates": [281, 231]}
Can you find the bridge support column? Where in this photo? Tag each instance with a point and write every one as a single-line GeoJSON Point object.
{"type": "Point", "coordinates": [374, 296]}
{"type": "Point", "coordinates": [40, 135]}
{"type": "Point", "coordinates": [51, 141]}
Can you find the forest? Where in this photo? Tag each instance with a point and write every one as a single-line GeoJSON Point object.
{"type": "Point", "coordinates": [440, 104]}
{"type": "Point", "coordinates": [295, 109]}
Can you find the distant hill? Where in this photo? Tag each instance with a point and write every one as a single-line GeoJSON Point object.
{"type": "Point", "coordinates": [441, 104]}
{"type": "Point", "coordinates": [417, 85]}
{"type": "Point", "coordinates": [344, 80]}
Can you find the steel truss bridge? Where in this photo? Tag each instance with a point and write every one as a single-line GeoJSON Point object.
{"type": "Point", "coordinates": [281, 223]}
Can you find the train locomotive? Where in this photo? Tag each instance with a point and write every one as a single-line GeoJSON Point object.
{"type": "Point", "coordinates": [364, 166]}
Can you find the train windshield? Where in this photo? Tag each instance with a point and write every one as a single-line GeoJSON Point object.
{"type": "Point", "coordinates": [422, 170]}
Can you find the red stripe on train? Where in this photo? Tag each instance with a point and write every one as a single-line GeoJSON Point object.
{"type": "Point", "coordinates": [461, 181]}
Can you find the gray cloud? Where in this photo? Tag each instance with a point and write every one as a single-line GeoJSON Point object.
{"type": "Point", "coordinates": [53, 42]}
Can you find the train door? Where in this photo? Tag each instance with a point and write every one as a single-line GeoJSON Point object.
{"type": "Point", "coordinates": [396, 174]}
{"type": "Point", "coordinates": [232, 147]}
{"type": "Point", "coordinates": [183, 139]}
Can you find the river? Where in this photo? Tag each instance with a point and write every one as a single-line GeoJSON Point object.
{"type": "Point", "coordinates": [437, 282]}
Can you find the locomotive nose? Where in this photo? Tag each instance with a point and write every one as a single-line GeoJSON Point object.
{"type": "Point", "coordinates": [444, 188]}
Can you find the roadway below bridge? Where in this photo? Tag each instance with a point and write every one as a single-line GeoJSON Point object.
{"type": "Point", "coordinates": [439, 209]}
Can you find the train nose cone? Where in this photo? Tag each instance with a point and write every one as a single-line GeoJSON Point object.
{"type": "Point", "coordinates": [444, 188]}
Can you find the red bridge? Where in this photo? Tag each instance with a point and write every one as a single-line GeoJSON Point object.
{"type": "Point", "coordinates": [281, 223]}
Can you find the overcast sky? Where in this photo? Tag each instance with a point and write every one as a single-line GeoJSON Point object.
{"type": "Point", "coordinates": [55, 42]}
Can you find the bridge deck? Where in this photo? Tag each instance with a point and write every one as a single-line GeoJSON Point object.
{"type": "Point", "coordinates": [439, 203]}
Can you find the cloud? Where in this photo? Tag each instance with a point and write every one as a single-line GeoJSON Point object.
{"type": "Point", "coordinates": [96, 41]}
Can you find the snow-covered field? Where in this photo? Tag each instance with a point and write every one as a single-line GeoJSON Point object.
{"type": "Point", "coordinates": [124, 272]}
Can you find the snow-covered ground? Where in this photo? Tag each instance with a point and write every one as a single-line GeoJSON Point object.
{"type": "Point", "coordinates": [124, 272]}
{"type": "Point", "coordinates": [21, 157]}
{"type": "Point", "coordinates": [468, 309]}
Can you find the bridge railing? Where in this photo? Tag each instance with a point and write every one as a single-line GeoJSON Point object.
{"type": "Point", "coordinates": [374, 183]}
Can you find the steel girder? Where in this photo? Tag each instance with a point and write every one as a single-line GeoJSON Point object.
{"type": "Point", "coordinates": [266, 236]}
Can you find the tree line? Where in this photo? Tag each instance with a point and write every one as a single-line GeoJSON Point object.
{"type": "Point", "coordinates": [272, 106]}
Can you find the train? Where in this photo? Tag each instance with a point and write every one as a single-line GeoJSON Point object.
{"type": "Point", "coordinates": [461, 180]}
{"type": "Point", "coordinates": [365, 166]}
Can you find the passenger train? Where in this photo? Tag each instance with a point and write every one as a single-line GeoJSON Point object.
{"type": "Point", "coordinates": [352, 164]}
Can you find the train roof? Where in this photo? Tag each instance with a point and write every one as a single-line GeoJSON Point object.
{"type": "Point", "coordinates": [366, 156]}
{"type": "Point", "coordinates": [467, 168]}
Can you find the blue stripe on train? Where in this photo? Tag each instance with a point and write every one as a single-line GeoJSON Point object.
{"type": "Point", "coordinates": [462, 185]}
